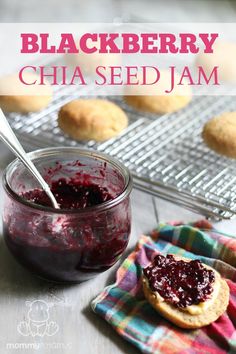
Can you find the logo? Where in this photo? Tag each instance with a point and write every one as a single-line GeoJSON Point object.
{"type": "Point", "coordinates": [37, 322]}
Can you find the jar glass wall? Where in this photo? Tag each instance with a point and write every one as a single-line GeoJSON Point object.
{"type": "Point", "coordinates": [67, 245]}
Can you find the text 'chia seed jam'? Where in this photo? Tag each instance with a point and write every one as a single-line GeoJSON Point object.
{"type": "Point", "coordinates": [178, 282]}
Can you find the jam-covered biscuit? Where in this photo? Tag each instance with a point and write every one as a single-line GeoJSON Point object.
{"type": "Point", "coordinates": [92, 119]}
{"type": "Point", "coordinates": [186, 292]}
{"type": "Point", "coordinates": [180, 283]}
{"type": "Point", "coordinates": [219, 134]}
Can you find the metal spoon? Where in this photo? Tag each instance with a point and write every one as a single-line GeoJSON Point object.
{"type": "Point", "coordinates": [9, 138]}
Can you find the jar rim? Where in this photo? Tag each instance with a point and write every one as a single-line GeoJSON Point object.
{"type": "Point", "coordinates": [46, 152]}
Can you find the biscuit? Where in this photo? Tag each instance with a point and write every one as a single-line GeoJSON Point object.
{"type": "Point", "coordinates": [188, 321]}
{"type": "Point", "coordinates": [158, 104]}
{"type": "Point", "coordinates": [223, 57]}
{"type": "Point", "coordinates": [219, 134]}
{"type": "Point", "coordinates": [92, 119]}
{"type": "Point", "coordinates": [184, 319]}
{"type": "Point", "coordinates": [162, 103]}
{"type": "Point", "coordinates": [20, 98]}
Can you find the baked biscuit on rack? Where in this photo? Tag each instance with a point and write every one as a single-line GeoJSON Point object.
{"type": "Point", "coordinates": [223, 57]}
{"type": "Point", "coordinates": [153, 99]}
{"type": "Point", "coordinates": [20, 98]}
{"type": "Point", "coordinates": [219, 134]}
{"type": "Point", "coordinates": [92, 119]}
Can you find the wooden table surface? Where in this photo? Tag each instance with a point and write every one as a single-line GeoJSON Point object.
{"type": "Point", "coordinates": [79, 330]}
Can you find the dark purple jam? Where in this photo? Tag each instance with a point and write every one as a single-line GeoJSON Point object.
{"type": "Point", "coordinates": [178, 282]}
{"type": "Point", "coordinates": [69, 246]}
{"type": "Point", "coordinates": [71, 194]}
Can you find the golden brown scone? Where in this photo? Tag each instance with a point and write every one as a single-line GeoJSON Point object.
{"type": "Point", "coordinates": [92, 119]}
{"type": "Point", "coordinates": [147, 100]}
{"type": "Point", "coordinates": [158, 104]}
{"type": "Point", "coordinates": [188, 321]}
{"type": "Point", "coordinates": [184, 319]}
{"type": "Point", "coordinates": [219, 134]}
{"type": "Point", "coordinates": [20, 98]}
{"type": "Point", "coordinates": [24, 104]}
{"type": "Point", "coordinates": [222, 57]}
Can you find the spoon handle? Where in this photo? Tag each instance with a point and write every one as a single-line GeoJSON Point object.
{"type": "Point", "coordinates": [9, 138]}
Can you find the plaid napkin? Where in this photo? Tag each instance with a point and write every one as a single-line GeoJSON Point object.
{"type": "Point", "coordinates": [123, 304]}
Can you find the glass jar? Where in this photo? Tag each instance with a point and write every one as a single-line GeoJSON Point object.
{"type": "Point", "coordinates": [67, 245]}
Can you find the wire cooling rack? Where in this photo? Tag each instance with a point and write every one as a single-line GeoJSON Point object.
{"type": "Point", "coordinates": [165, 153]}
